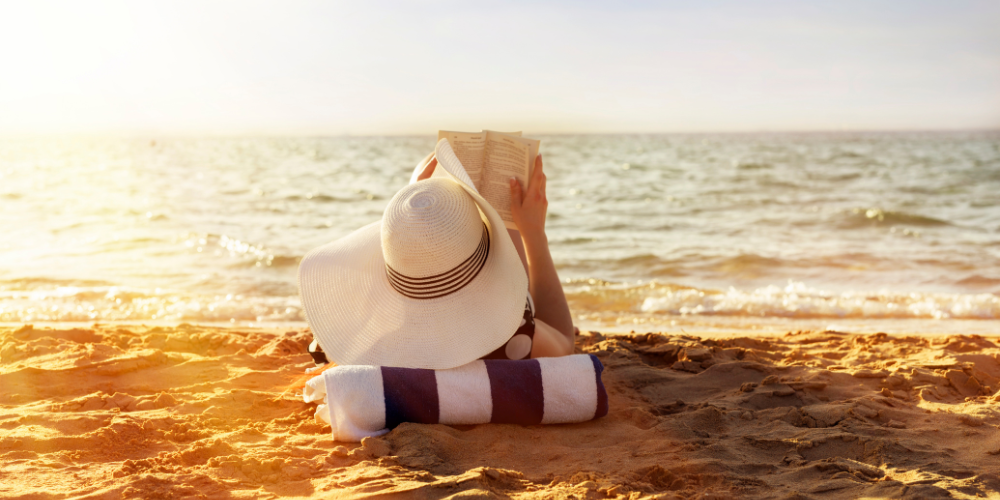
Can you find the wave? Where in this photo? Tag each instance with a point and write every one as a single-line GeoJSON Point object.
{"type": "Point", "coordinates": [325, 198]}
{"type": "Point", "coordinates": [747, 264]}
{"type": "Point", "coordinates": [795, 300]}
{"type": "Point", "coordinates": [753, 165]}
{"type": "Point", "coordinates": [866, 217]}
{"type": "Point", "coordinates": [574, 241]}
{"type": "Point", "coordinates": [320, 198]}
{"type": "Point", "coordinates": [86, 304]}
{"type": "Point", "coordinates": [38, 282]}
{"type": "Point", "coordinates": [588, 298]}
{"type": "Point", "coordinates": [978, 281]}
{"type": "Point", "coordinates": [285, 260]}
{"type": "Point", "coordinates": [247, 254]}
{"type": "Point", "coordinates": [268, 260]}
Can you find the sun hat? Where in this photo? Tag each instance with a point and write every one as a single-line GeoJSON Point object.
{"type": "Point", "coordinates": [436, 283]}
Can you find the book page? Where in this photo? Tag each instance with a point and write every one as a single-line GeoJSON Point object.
{"type": "Point", "coordinates": [505, 157]}
{"type": "Point", "coordinates": [532, 145]}
{"type": "Point", "coordinates": [469, 148]}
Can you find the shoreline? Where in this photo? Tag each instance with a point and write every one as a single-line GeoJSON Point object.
{"type": "Point", "coordinates": [702, 325]}
{"type": "Point", "coordinates": [120, 410]}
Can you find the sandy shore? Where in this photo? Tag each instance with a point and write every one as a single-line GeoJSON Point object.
{"type": "Point", "coordinates": [134, 412]}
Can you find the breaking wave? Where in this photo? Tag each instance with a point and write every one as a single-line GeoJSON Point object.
{"type": "Point", "coordinates": [795, 300]}
{"type": "Point", "coordinates": [99, 304]}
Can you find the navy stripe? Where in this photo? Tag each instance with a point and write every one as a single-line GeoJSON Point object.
{"type": "Point", "coordinates": [602, 395]}
{"type": "Point", "coordinates": [411, 395]}
{"type": "Point", "coordinates": [439, 285]}
{"type": "Point", "coordinates": [517, 391]}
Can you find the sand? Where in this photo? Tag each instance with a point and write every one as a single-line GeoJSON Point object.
{"type": "Point", "coordinates": [116, 411]}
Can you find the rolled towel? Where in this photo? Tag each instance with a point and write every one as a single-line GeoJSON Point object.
{"type": "Point", "coordinates": [364, 401]}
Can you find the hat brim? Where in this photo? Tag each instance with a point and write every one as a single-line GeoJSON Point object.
{"type": "Point", "coordinates": [359, 319]}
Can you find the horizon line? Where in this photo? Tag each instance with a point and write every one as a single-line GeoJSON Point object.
{"type": "Point", "coordinates": [228, 135]}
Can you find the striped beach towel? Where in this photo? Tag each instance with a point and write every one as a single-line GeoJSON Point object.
{"type": "Point", "coordinates": [364, 401]}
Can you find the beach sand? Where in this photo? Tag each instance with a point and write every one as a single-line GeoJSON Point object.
{"type": "Point", "coordinates": [115, 411]}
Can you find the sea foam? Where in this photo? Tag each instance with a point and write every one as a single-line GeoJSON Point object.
{"type": "Point", "coordinates": [796, 300]}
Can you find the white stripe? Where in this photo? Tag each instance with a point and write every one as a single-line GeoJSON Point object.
{"type": "Point", "coordinates": [322, 414]}
{"type": "Point", "coordinates": [315, 391]}
{"type": "Point", "coordinates": [569, 387]}
{"type": "Point", "coordinates": [357, 402]}
{"type": "Point", "coordinates": [464, 394]}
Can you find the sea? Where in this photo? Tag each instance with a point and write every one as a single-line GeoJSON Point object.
{"type": "Point", "coordinates": [852, 231]}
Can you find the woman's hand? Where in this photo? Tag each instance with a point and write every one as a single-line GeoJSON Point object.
{"type": "Point", "coordinates": [529, 209]}
{"type": "Point", "coordinates": [426, 167]}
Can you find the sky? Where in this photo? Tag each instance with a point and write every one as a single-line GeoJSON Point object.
{"type": "Point", "coordinates": [371, 67]}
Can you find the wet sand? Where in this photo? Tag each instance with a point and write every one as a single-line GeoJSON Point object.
{"type": "Point", "coordinates": [116, 411]}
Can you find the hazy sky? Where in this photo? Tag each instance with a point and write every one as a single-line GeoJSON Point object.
{"type": "Point", "coordinates": [369, 67]}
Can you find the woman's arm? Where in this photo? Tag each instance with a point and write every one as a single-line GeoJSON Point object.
{"type": "Point", "coordinates": [528, 211]}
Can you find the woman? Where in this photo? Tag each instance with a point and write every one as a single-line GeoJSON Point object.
{"type": "Point", "coordinates": [436, 283]}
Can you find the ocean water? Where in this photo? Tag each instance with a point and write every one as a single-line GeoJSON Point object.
{"type": "Point", "coordinates": [879, 231]}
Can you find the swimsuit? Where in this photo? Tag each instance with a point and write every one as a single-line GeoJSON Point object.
{"type": "Point", "coordinates": [519, 345]}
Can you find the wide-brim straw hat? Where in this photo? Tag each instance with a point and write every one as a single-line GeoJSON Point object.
{"type": "Point", "coordinates": [437, 283]}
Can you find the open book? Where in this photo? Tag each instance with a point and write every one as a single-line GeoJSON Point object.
{"type": "Point", "coordinates": [491, 159]}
